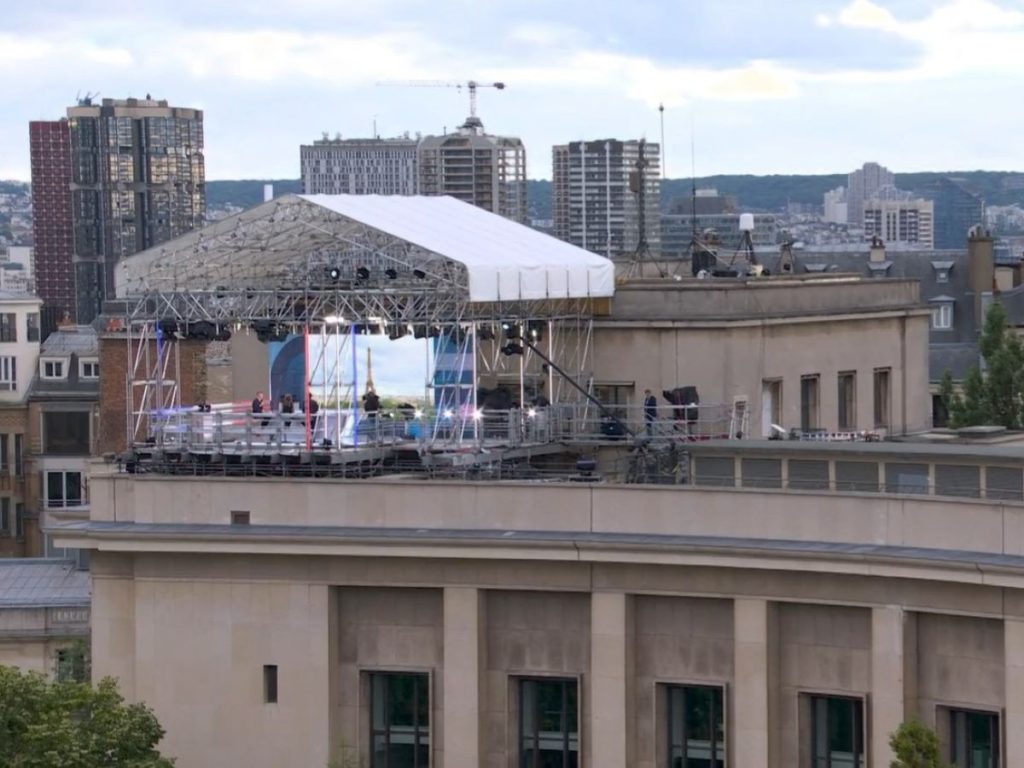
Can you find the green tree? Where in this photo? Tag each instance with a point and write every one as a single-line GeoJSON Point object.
{"type": "Point", "coordinates": [995, 396]}
{"type": "Point", "coordinates": [915, 747]}
{"type": "Point", "coordinates": [46, 723]}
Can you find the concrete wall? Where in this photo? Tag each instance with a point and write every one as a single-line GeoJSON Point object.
{"type": "Point", "coordinates": [967, 524]}
{"type": "Point", "coordinates": [189, 633]}
{"type": "Point", "coordinates": [960, 662]}
{"type": "Point", "coordinates": [534, 635]}
{"type": "Point", "coordinates": [821, 649]}
{"type": "Point", "coordinates": [194, 650]}
{"type": "Point", "coordinates": [733, 360]}
{"type": "Point", "coordinates": [677, 640]}
{"type": "Point", "coordinates": [795, 295]}
{"type": "Point", "coordinates": [29, 655]}
{"type": "Point", "coordinates": [388, 630]}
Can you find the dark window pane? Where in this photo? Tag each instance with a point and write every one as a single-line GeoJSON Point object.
{"type": "Point", "coordinates": [66, 432]}
{"type": "Point", "coordinates": [548, 723]}
{"type": "Point", "coordinates": [836, 732]}
{"type": "Point", "coordinates": [399, 720]}
{"type": "Point", "coordinates": [974, 739]}
{"type": "Point", "coordinates": [695, 727]}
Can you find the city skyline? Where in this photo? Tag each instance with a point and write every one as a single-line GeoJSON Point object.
{"type": "Point", "coordinates": [805, 88]}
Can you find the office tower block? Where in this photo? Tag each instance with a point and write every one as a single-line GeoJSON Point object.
{"type": "Point", "coordinates": [956, 211]}
{"type": "Point", "coordinates": [359, 166]}
{"type": "Point", "coordinates": [476, 167]}
{"type": "Point", "coordinates": [137, 180]}
{"type": "Point", "coordinates": [596, 195]}
{"type": "Point", "coordinates": [52, 225]}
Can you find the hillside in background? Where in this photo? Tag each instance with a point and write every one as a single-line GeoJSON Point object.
{"type": "Point", "coordinates": [246, 193]}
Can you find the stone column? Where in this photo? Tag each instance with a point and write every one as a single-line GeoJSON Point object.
{"type": "Point", "coordinates": [886, 705]}
{"type": "Point", "coordinates": [1013, 727]}
{"type": "Point", "coordinates": [607, 680]}
{"type": "Point", "coordinates": [461, 726]}
{"type": "Point", "coordinates": [750, 689]}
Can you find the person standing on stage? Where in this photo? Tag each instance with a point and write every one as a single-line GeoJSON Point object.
{"type": "Point", "coordinates": [650, 412]}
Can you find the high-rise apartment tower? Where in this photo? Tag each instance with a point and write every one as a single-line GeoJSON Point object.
{"type": "Point", "coordinates": [596, 195]}
{"type": "Point", "coordinates": [862, 185]}
{"type": "Point", "coordinates": [137, 179]}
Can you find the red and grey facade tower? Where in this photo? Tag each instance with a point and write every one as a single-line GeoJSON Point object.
{"type": "Point", "coordinates": [52, 222]}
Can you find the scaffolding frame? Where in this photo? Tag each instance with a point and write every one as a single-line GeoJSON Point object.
{"type": "Point", "coordinates": [296, 268]}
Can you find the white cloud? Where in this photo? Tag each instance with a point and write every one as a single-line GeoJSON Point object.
{"type": "Point", "coordinates": [265, 56]}
{"type": "Point", "coordinates": [866, 14]}
{"type": "Point", "coordinates": [642, 79]}
{"type": "Point", "coordinates": [957, 37]}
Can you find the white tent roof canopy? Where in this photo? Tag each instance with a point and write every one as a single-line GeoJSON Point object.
{"type": "Point", "coordinates": [504, 261]}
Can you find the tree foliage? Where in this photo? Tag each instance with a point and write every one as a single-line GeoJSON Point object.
{"type": "Point", "coordinates": [994, 396]}
{"type": "Point", "coordinates": [915, 747]}
{"type": "Point", "coordinates": [45, 723]}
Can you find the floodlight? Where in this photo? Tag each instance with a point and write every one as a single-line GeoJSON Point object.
{"type": "Point", "coordinates": [363, 273]}
{"type": "Point", "coordinates": [419, 274]}
{"type": "Point", "coordinates": [391, 273]}
{"type": "Point", "coordinates": [334, 273]}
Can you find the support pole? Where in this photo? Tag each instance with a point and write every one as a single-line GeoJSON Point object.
{"type": "Point", "coordinates": [355, 389]}
{"type": "Point", "coordinates": [305, 385]}
{"type": "Point", "coordinates": [600, 406]}
{"type": "Point", "coordinates": [473, 383]}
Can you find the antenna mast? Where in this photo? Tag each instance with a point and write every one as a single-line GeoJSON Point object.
{"type": "Point", "coordinates": [638, 181]}
{"type": "Point", "coordinates": [661, 115]}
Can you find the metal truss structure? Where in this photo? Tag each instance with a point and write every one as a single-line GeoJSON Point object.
{"type": "Point", "coordinates": [292, 267]}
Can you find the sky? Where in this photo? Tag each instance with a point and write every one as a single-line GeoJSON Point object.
{"type": "Point", "coordinates": [803, 86]}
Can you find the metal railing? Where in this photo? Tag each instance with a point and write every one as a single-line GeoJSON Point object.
{"type": "Point", "coordinates": [232, 428]}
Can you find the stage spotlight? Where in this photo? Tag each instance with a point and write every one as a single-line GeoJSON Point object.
{"type": "Point", "coordinates": [396, 331]}
{"type": "Point", "coordinates": [334, 273]}
{"type": "Point", "coordinates": [263, 330]}
{"type": "Point", "coordinates": [419, 274]}
{"type": "Point", "coordinates": [419, 331]}
{"type": "Point", "coordinates": [363, 273]}
{"type": "Point", "coordinates": [511, 330]}
{"type": "Point", "coordinates": [434, 331]}
{"type": "Point", "coordinates": [485, 333]}
{"type": "Point", "coordinates": [536, 330]}
{"type": "Point", "coordinates": [512, 349]}
{"type": "Point", "coordinates": [201, 331]}
{"type": "Point", "coordinates": [391, 273]}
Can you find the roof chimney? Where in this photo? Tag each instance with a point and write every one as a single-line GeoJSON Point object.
{"type": "Point", "coordinates": [877, 250]}
{"type": "Point", "coordinates": [981, 267]}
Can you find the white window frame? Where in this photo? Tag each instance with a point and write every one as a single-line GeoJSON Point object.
{"type": "Point", "coordinates": [50, 370]}
{"type": "Point", "coordinates": [83, 489]}
{"type": "Point", "coordinates": [942, 316]}
{"type": "Point", "coordinates": [8, 373]}
{"type": "Point", "coordinates": [89, 362]}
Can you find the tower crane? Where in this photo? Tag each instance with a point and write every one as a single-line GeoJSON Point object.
{"type": "Point", "coordinates": [470, 85]}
